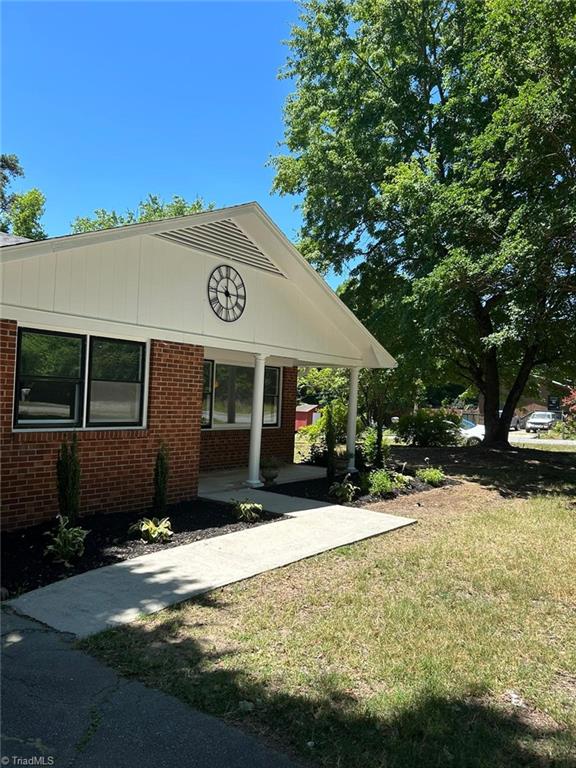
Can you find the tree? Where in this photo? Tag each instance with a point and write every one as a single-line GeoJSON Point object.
{"type": "Point", "coordinates": [434, 144]}
{"type": "Point", "coordinates": [151, 208]}
{"type": "Point", "coordinates": [20, 213]}
{"type": "Point", "coordinates": [322, 385]}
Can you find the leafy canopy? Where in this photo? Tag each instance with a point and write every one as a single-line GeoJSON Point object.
{"type": "Point", "coordinates": [20, 212]}
{"type": "Point", "coordinates": [434, 145]}
{"type": "Point", "coordinates": [152, 208]}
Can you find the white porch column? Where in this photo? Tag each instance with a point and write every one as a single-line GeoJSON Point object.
{"type": "Point", "coordinates": [256, 423]}
{"type": "Point", "coordinates": [352, 418]}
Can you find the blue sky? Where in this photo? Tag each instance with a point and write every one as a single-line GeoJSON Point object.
{"type": "Point", "coordinates": [104, 102]}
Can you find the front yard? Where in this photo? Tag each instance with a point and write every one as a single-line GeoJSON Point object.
{"type": "Point", "coordinates": [448, 643]}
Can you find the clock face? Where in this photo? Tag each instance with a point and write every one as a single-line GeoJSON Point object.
{"type": "Point", "coordinates": [226, 293]}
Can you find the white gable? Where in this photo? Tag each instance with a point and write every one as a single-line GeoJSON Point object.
{"type": "Point", "coordinates": [150, 281]}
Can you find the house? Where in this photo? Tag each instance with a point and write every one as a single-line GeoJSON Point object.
{"type": "Point", "coordinates": [186, 331]}
{"type": "Point", "coordinates": [306, 414]}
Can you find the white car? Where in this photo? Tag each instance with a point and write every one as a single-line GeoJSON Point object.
{"type": "Point", "coordinates": [540, 421]}
{"type": "Point", "coordinates": [472, 434]}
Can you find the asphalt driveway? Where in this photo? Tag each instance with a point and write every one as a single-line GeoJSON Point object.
{"type": "Point", "coordinates": [64, 708]}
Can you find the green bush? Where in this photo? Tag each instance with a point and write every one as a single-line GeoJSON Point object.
{"type": "Point", "coordinates": [153, 529]}
{"type": "Point", "coordinates": [68, 479]}
{"type": "Point", "coordinates": [343, 492]}
{"type": "Point", "coordinates": [316, 432]}
{"type": "Point", "coordinates": [368, 444]}
{"type": "Point", "coordinates": [430, 428]}
{"type": "Point", "coordinates": [247, 511]}
{"type": "Point", "coordinates": [432, 475]}
{"type": "Point", "coordinates": [381, 483]}
{"type": "Point", "coordinates": [563, 430]}
{"type": "Point", "coordinates": [330, 437]}
{"type": "Point", "coordinates": [67, 542]}
{"type": "Point", "coordinates": [161, 474]}
{"type": "Point", "coordinates": [400, 480]}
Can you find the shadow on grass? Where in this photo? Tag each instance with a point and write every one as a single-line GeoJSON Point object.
{"type": "Point", "coordinates": [330, 727]}
{"type": "Point", "coordinates": [515, 472]}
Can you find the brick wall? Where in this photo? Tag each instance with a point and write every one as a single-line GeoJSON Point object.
{"type": "Point", "coordinates": [117, 466]}
{"type": "Point", "coordinates": [229, 447]}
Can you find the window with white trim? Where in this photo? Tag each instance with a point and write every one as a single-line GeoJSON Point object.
{"type": "Point", "coordinates": [227, 396]}
{"type": "Point", "coordinates": [52, 377]}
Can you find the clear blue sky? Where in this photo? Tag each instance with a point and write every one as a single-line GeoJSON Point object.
{"type": "Point", "coordinates": [104, 102]}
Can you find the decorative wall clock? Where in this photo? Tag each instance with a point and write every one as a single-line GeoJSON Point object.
{"type": "Point", "coordinates": [226, 293]}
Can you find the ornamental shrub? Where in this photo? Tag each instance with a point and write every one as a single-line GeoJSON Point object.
{"type": "Point", "coordinates": [430, 428]}
{"type": "Point", "coordinates": [432, 475]}
{"type": "Point", "coordinates": [68, 480]}
{"type": "Point", "coordinates": [381, 483]}
{"type": "Point", "coordinates": [161, 474]}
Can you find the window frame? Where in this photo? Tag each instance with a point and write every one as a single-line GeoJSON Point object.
{"type": "Point", "coordinates": [89, 379]}
{"type": "Point", "coordinates": [45, 424]}
{"type": "Point", "coordinates": [82, 424]}
{"type": "Point", "coordinates": [277, 396]}
{"type": "Point", "coordinates": [242, 427]}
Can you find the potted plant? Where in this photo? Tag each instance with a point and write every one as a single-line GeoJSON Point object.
{"type": "Point", "coordinates": [269, 468]}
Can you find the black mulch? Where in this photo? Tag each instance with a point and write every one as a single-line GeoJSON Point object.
{"type": "Point", "coordinates": [26, 567]}
{"type": "Point", "coordinates": [318, 489]}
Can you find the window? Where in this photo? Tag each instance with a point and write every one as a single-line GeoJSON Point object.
{"type": "Point", "coordinates": [50, 378]}
{"type": "Point", "coordinates": [227, 396]}
{"type": "Point", "coordinates": [271, 396]}
{"type": "Point", "coordinates": [116, 382]}
{"type": "Point", "coordinates": [53, 381]}
{"type": "Point", "coordinates": [207, 393]}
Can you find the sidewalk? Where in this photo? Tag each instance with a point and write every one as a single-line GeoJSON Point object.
{"type": "Point", "coordinates": [117, 594]}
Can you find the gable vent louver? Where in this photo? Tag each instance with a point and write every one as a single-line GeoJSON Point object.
{"type": "Point", "coordinates": [222, 238]}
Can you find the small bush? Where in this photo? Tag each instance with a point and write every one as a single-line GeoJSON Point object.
{"type": "Point", "coordinates": [247, 511]}
{"type": "Point", "coordinates": [330, 437]}
{"type": "Point", "coordinates": [67, 542]}
{"type": "Point", "coordinates": [161, 473]}
{"type": "Point", "coordinates": [153, 530]}
{"type": "Point", "coordinates": [400, 480]}
{"type": "Point", "coordinates": [368, 445]}
{"type": "Point", "coordinates": [381, 483]}
{"type": "Point", "coordinates": [343, 492]}
{"type": "Point", "coordinates": [431, 475]}
{"type": "Point", "coordinates": [318, 455]}
{"type": "Point", "coordinates": [68, 479]}
{"type": "Point", "coordinates": [430, 428]}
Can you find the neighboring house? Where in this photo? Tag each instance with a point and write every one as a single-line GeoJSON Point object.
{"type": "Point", "coordinates": [186, 331]}
{"type": "Point", "coordinates": [306, 414]}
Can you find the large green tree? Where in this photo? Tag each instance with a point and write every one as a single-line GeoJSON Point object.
{"type": "Point", "coordinates": [20, 212]}
{"type": "Point", "coordinates": [433, 142]}
{"type": "Point", "coordinates": [151, 208]}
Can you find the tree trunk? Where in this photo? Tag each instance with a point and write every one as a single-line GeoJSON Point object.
{"type": "Point", "coordinates": [498, 435]}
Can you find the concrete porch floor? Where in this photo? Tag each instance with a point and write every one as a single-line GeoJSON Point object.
{"type": "Point", "coordinates": [230, 479]}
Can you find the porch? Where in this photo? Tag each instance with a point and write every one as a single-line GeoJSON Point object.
{"type": "Point", "coordinates": [220, 480]}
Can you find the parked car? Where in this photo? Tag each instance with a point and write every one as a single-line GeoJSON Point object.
{"type": "Point", "coordinates": [472, 434]}
{"type": "Point", "coordinates": [541, 421]}
{"type": "Point", "coordinates": [515, 423]}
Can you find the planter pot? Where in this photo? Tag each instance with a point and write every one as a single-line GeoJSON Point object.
{"type": "Point", "coordinates": [269, 476]}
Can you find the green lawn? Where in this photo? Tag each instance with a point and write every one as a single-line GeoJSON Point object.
{"type": "Point", "coordinates": [449, 643]}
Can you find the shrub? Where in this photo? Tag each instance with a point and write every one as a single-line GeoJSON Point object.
{"type": "Point", "coordinates": [318, 455]}
{"type": "Point", "coordinates": [343, 492]}
{"type": "Point", "coordinates": [380, 483]}
{"type": "Point", "coordinates": [67, 542]}
{"type": "Point", "coordinates": [368, 444]}
{"type": "Point", "coordinates": [330, 437]}
{"type": "Point", "coordinates": [153, 530]}
{"type": "Point", "coordinates": [68, 479]}
{"type": "Point", "coordinates": [432, 475]}
{"type": "Point", "coordinates": [161, 473]}
{"type": "Point", "coordinates": [400, 480]}
{"type": "Point", "coordinates": [316, 432]}
{"type": "Point", "coordinates": [430, 428]}
{"type": "Point", "coordinates": [564, 430]}
{"type": "Point", "coordinates": [247, 511]}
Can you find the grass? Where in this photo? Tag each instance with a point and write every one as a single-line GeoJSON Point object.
{"type": "Point", "coordinates": [448, 643]}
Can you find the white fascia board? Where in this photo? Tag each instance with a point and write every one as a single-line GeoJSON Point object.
{"type": "Point", "coordinates": [55, 321]}
{"type": "Point", "coordinates": [64, 242]}
{"type": "Point", "coordinates": [297, 269]}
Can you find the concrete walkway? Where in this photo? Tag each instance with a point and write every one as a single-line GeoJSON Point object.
{"type": "Point", "coordinates": [117, 594]}
{"type": "Point", "coordinates": [64, 708]}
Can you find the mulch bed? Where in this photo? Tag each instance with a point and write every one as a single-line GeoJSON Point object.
{"type": "Point", "coordinates": [26, 567]}
{"type": "Point", "coordinates": [318, 490]}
